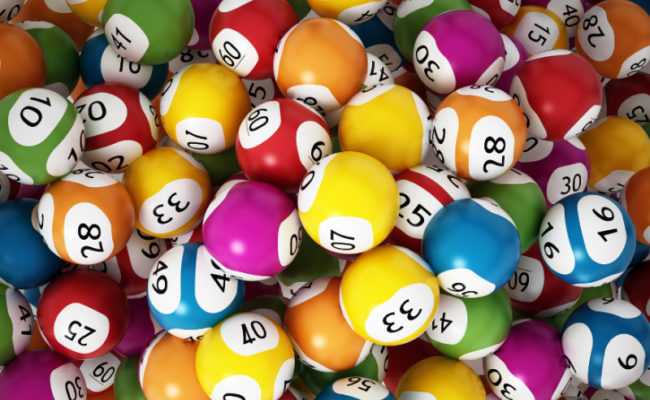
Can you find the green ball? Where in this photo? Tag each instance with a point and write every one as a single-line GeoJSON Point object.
{"type": "Point", "coordinates": [61, 55]}
{"type": "Point", "coordinates": [639, 390]}
{"type": "Point", "coordinates": [471, 328]}
{"type": "Point", "coordinates": [646, 128]}
{"type": "Point", "coordinates": [148, 32]}
{"type": "Point", "coordinates": [520, 197]}
{"type": "Point", "coordinates": [413, 15]}
{"type": "Point", "coordinates": [16, 324]}
{"type": "Point", "coordinates": [300, 7]}
{"type": "Point", "coordinates": [127, 385]}
{"type": "Point", "coordinates": [41, 136]}
{"type": "Point", "coordinates": [220, 166]}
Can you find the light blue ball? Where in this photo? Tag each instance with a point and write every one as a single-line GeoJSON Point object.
{"type": "Point", "coordinates": [376, 34]}
{"type": "Point", "coordinates": [355, 387]}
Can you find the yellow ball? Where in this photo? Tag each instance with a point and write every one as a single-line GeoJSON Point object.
{"type": "Point", "coordinates": [348, 202]}
{"type": "Point", "coordinates": [245, 356]}
{"type": "Point", "coordinates": [389, 295]}
{"type": "Point", "coordinates": [170, 191]}
{"type": "Point", "coordinates": [88, 11]}
{"type": "Point", "coordinates": [442, 377]}
{"type": "Point", "coordinates": [202, 107]}
{"type": "Point", "coordinates": [350, 12]}
{"type": "Point", "coordinates": [617, 147]}
{"type": "Point", "coordinates": [388, 122]}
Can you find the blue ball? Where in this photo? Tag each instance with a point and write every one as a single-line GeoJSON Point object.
{"type": "Point", "coordinates": [472, 246]}
{"type": "Point", "coordinates": [99, 63]}
{"type": "Point", "coordinates": [355, 387]}
{"type": "Point", "coordinates": [645, 4]}
{"type": "Point", "coordinates": [376, 34]}
{"type": "Point", "coordinates": [587, 239]}
{"type": "Point", "coordinates": [607, 343]}
{"type": "Point", "coordinates": [189, 294]}
{"type": "Point", "coordinates": [25, 260]}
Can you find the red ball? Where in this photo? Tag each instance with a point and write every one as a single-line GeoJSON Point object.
{"type": "Point", "coordinates": [629, 97]}
{"type": "Point", "coordinates": [244, 35]}
{"type": "Point", "coordinates": [279, 141]}
{"type": "Point", "coordinates": [83, 314]}
{"type": "Point", "coordinates": [500, 13]}
{"type": "Point", "coordinates": [635, 288]}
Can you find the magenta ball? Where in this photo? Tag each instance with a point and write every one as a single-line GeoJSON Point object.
{"type": "Point", "coordinates": [252, 230]}
{"type": "Point", "coordinates": [456, 49]}
{"type": "Point", "coordinates": [530, 363]}
{"type": "Point", "coordinates": [41, 375]}
{"type": "Point", "coordinates": [516, 55]}
{"type": "Point", "coordinates": [142, 328]}
{"type": "Point", "coordinates": [559, 168]}
{"type": "Point", "coordinates": [203, 11]}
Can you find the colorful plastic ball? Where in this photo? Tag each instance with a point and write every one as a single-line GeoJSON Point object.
{"type": "Point", "coordinates": [279, 141]}
{"type": "Point", "coordinates": [141, 329]}
{"type": "Point", "coordinates": [371, 120]}
{"type": "Point", "coordinates": [251, 230]}
{"type": "Point", "coordinates": [534, 290]}
{"type": "Point", "coordinates": [271, 306]}
{"type": "Point", "coordinates": [350, 12]}
{"type": "Point", "coordinates": [202, 106]}
{"type": "Point", "coordinates": [439, 64]}
{"type": "Point", "coordinates": [262, 90]}
{"type": "Point", "coordinates": [83, 314]}
{"type": "Point", "coordinates": [89, 11]}
{"type": "Point", "coordinates": [633, 201]}
{"type": "Point", "coordinates": [190, 57]}
{"type": "Point", "coordinates": [23, 61]}
{"type": "Point", "coordinates": [480, 269]}
{"type": "Point", "coordinates": [18, 323]}
{"type": "Point", "coordinates": [193, 236]}
{"type": "Point", "coordinates": [633, 290]}
{"type": "Point", "coordinates": [320, 62]}
{"type": "Point", "coordinates": [355, 387]}
{"type": "Point", "coordinates": [99, 63]}
{"type": "Point", "coordinates": [470, 329]}
{"type": "Point", "coordinates": [478, 133]}
{"type": "Point", "coordinates": [629, 97]}
{"type": "Point", "coordinates": [8, 188]}
{"type": "Point", "coordinates": [569, 11]}
{"type": "Point", "coordinates": [516, 55]}
{"type": "Point", "coordinates": [403, 357]}
{"type": "Point", "coordinates": [617, 148]}
{"type": "Point", "coordinates": [10, 8]}
{"type": "Point", "coordinates": [99, 373]}
{"type": "Point", "coordinates": [607, 342]}
{"type": "Point", "coordinates": [441, 378]}
{"type": "Point", "coordinates": [530, 363]}
{"type": "Point", "coordinates": [43, 375]}
{"type": "Point", "coordinates": [170, 191]}
{"type": "Point", "coordinates": [257, 358]}
{"type": "Point", "coordinates": [500, 13]}
{"type": "Point", "coordinates": [126, 385]}
{"type": "Point", "coordinates": [244, 35]}
{"type": "Point", "coordinates": [615, 38]}
{"type": "Point", "coordinates": [557, 114]}
{"type": "Point", "coordinates": [424, 191]}
{"type": "Point", "coordinates": [538, 30]}
{"type": "Point", "coordinates": [378, 73]}
{"type": "Point", "coordinates": [149, 32]}
{"type": "Point", "coordinates": [639, 390]}
{"type": "Point", "coordinates": [203, 12]}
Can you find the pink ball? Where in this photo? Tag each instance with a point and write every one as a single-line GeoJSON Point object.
{"type": "Point", "coordinates": [516, 55]}
{"type": "Point", "coordinates": [203, 10]}
{"type": "Point", "coordinates": [142, 328]}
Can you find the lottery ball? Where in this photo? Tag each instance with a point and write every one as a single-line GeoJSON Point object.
{"type": "Point", "coordinates": [202, 106]}
{"type": "Point", "coordinates": [320, 62]}
{"type": "Point", "coordinates": [377, 36]}
{"type": "Point", "coordinates": [516, 55]}
{"type": "Point", "coordinates": [617, 148]}
{"type": "Point", "coordinates": [99, 373]}
{"type": "Point", "coordinates": [606, 342]}
{"type": "Point", "coordinates": [279, 141]}
{"type": "Point", "coordinates": [86, 217]}
{"type": "Point", "coordinates": [9, 189]}
{"type": "Point", "coordinates": [403, 357]}
{"type": "Point", "coordinates": [559, 168]}
{"type": "Point", "coordinates": [43, 375]}
{"type": "Point", "coordinates": [569, 11]}
{"type": "Point", "coordinates": [389, 295]}
{"type": "Point", "coordinates": [632, 200]}
{"type": "Point", "coordinates": [42, 138]}
{"type": "Point", "coordinates": [633, 288]}
{"type": "Point", "coordinates": [638, 390]}
{"type": "Point", "coordinates": [170, 192]}
{"type": "Point", "coordinates": [18, 323]}
{"type": "Point", "coordinates": [262, 90]}
{"type": "Point", "coordinates": [543, 375]}
{"type": "Point", "coordinates": [470, 329]}
{"type": "Point", "coordinates": [615, 38]}
{"type": "Point", "coordinates": [557, 115]}
{"type": "Point", "coordinates": [244, 35]}
{"type": "Point", "coordinates": [350, 12]}
{"type": "Point", "coordinates": [257, 356]}
{"type": "Point", "coordinates": [499, 13]}
{"type": "Point", "coordinates": [378, 73]}
{"type": "Point", "coordinates": [478, 133]}
{"type": "Point", "coordinates": [83, 314]}
{"type": "Point", "coordinates": [629, 97]}
{"type": "Point", "coordinates": [534, 289]}
{"type": "Point", "coordinates": [587, 239]}
{"type": "Point", "coordinates": [320, 335]}
{"type": "Point", "coordinates": [355, 387]}
{"type": "Point", "coordinates": [441, 378]}
{"type": "Point", "coordinates": [149, 32]}
{"type": "Point", "coordinates": [89, 11]}
{"type": "Point", "coordinates": [10, 8]}
{"type": "Point", "coordinates": [424, 190]}
{"type": "Point", "coordinates": [483, 268]}
{"type": "Point", "coordinates": [251, 230]}
{"type": "Point", "coordinates": [99, 63]}
{"type": "Point", "coordinates": [141, 329]}
{"type": "Point", "coordinates": [25, 261]}
{"type": "Point", "coordinates": [348, 202]}
{"type": "Point", "coordinates": [190, 57]}
{"type": "Point", "coordinates": [370, 120]}
{"type": "Point", "coordinates": [23, 61]}
{"type": "Point", "coordinates": [538, 29]}
{"type": "Point", "coordinates": [127, 385]}
{"type": "Point", "coordinates": [271, 306]}
{"type": "Point", "coordinates": [121, 125]}
{"type": "Point", "coordinates": [203, 11]}
{"type": "Point", "coordinates": [442, 69]}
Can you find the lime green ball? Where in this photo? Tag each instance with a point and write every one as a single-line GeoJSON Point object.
{"type": "Point", "coordinates": [61, 55]}
{"type": "Point", "coordinates": [471, 328]}
{"type": "Point", "coordinates": [220, 166]}
{"type": "Point", "coordinates": [646, 128]}
{"type": "Point", "coordinates": [520, 197]}
{"type": "Point", "coordinates": [148, 32]}
{"type": "Point", "coordinates": [16, 324]}
{"type": "Point", "coordinates": [127, 385]}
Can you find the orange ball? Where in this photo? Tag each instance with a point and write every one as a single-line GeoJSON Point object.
{"type": "Point", "coordinates": [634, 200]}
{"type": "Point", "coordinates": [538, 29]}
{"type": "Point", "coordinates": [320, 62]}
{"type": "Point", "coordinates": [22, 63]}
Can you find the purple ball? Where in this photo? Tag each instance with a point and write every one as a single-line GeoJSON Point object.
{"type": "Point", "coordinates": [530, 363]}
{"type": "Point", "coordinates": [516, 55]}
{"type": "Point", "coordinates": [142, 328]}
{"type": "Point", "coordinates": [456, 49]}
{"type": "Point", "coordinates": [559, 168]}
{"type": "Point", "coordinates": [203, 11]}
{"type": "Point", "coordinates": [252, 230]}
{"type": "Point", "coordinates": [42, 375]}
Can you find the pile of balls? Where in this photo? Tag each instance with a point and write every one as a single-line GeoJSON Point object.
{"type": "Point", "coordinates": [324, 199]}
